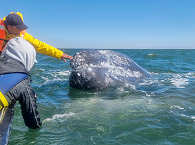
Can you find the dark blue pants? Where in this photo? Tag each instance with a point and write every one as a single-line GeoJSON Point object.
{"type": "Point", "coordinates": [23, 93]}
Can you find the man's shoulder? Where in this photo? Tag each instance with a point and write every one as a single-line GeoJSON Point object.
{"type": "Point", "coordinates": [21, 42]}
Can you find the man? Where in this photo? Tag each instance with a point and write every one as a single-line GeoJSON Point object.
{"type": "Point", "coordinates": [17, 57]}
{"type": "Point", "coordinates": [13, 26]}
{"type": "Point", "coordinates": [16, 61]}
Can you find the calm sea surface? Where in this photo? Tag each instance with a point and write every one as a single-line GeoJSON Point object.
{"type": "Point", "coordinates": [159, 111]}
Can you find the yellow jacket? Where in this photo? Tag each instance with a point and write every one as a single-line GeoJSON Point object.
{"type": "Point", "coordinates": [40, 46]}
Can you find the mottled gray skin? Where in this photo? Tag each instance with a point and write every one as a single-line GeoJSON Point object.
{"type": "Point", "coordinates": [100, 69]}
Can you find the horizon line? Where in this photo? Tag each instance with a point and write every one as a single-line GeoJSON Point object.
{"type": "Point", "coordinates": [126, 48]}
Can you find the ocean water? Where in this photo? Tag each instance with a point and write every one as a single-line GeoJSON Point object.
{"type": "Point", "coordinates": [159, 111]}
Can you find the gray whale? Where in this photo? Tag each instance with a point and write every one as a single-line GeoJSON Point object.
{"type": "Point", "coordinates": [100, 69]}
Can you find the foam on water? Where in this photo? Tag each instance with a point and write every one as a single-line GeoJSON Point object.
{"type": "Point", "coordinates": [53, 76]}
{"type": "Point", "coordinates": [179, 81]}
{"type": "Point", "coordinates": [59, 117]}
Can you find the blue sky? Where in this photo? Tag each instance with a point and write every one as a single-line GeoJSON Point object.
{"type": "Point", "coordinates": [108, 23]}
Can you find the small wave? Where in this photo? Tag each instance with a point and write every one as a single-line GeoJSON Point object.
{"type": "Point", "coordinates": [190, 117]}
{"type": "Point", "coordinates": [151, 54]}
{"type": "Point", "coordinates": [177, 107]}
{"type": "Point", "coordinates": [50, 77]}
{"type": "Point", "coordinates": [179, 81]}
{"type": "Point", "coordinates": [193, 117]}
{"type": "Point", "coordinates": [61, 73]}
{"type": "Point", "coordinates": [190, 74]}
{"type": "Point", "coordinates": [59, 116]}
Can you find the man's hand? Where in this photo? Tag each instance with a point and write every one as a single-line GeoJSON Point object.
{"type": "Point", "coordinates": [66, 56]}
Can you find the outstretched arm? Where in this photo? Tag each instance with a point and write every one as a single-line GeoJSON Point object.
{"type": "Point", "coordinates": [46, 49]}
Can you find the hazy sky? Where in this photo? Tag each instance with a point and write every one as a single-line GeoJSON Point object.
{"type": "Point", "coordinates": [108, 23]}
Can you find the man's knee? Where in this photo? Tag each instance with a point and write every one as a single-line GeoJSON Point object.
{"type": "Point", "coordinates": [29, 109]}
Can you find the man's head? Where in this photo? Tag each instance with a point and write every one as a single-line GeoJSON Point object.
{"type": "Point", "coordinates": [14, 24]}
